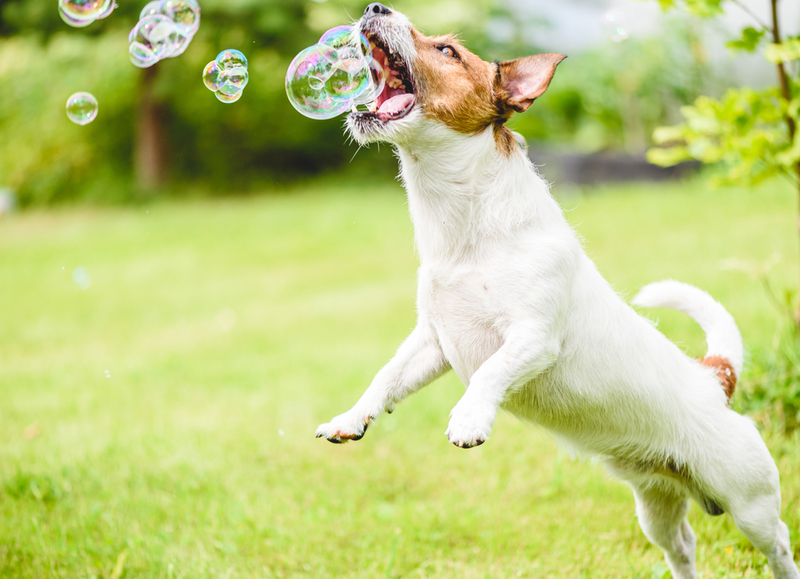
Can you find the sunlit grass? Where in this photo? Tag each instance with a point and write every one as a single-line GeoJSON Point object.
{"type": "Point", "coordinates": [230, 329]}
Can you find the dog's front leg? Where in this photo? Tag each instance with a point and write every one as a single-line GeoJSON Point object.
{"type": "Point", "coordinates": [418, 362]}
{"type": "Point", "coordinates": [522, 357]}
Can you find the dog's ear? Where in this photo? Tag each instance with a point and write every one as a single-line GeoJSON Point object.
{"type": "Point", "coordinates": [523, 80]}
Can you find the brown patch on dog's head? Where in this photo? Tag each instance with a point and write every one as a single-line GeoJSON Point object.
{"type": "Point", "coordinates": [468, 94]}
{"type": "Point", "coordinates": [725, 373]}
{"type": "Point", "coordinates": [455, 87]}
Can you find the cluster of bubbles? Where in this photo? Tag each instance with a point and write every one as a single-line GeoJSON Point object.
{"type": "Point", "coordinates": [82, 108]}
{"type": "Point", "coordinates": [334, 75]}
{"type": "Point", "coordinates": [164, 30]}
{"type": "Point", "coordinates": [615, 24]}
{"type": "Point", "coordinates": [226, 76]}
{"type": "Point", "coordinates": [80, 13]}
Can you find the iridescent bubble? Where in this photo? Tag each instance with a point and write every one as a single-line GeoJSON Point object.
{"type": "Point", "coordinates": [615, 25]}
{"type": "Point", "coordinates": [376, 86]}
{"type": "Point", "coordinates": [231, 58]}
{"type": "Point", "coordinates": [342, 36]}
{"type": "Point", "coordinates": [80, 277]}
{"type": "Point", "coordinates": [211, 76]}
{"type": "Point", "coordinates": [165, 30]}
{"type": "Point", "coordinates": [82, 108]}
{"type": "Point", "coordinates": [233, 80]}
{"type": "Point", "coordinates": [80, 13]}
{"type": "Point", "coordinates": [151, 40]}
{"type": "Point", "coordinates": [523, 144]}
{"type": "Point", "coordinates": [306, 83]}
{"type": "Point", "coordinates": [334, 75]}
{"type": "Point", "coordinates": [225, 98]}
{"type": "Point", "coordinates": [184, 13]}
{"type": "Point", "coordinates": [226, 76]}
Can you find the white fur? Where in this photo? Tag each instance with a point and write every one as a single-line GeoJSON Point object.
{"type": "Point", "coordinates": [509, 300]}
{"type": "Point", "coordinates": [722, 335]}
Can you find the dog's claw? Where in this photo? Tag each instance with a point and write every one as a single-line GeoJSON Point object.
{"type": "Point", "coordinates": [344, 428]}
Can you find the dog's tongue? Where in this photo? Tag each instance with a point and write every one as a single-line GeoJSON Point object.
{"type": "Point", "coordinates": [396, 104]}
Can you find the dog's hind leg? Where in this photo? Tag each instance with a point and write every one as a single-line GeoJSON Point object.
{"type": "Point", "coordinates": [742, 477]}
{"type": "Point", "coordinates": [662, 516]}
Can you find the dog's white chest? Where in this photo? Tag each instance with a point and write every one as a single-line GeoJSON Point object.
{"type": "Point", "coordinates": [464, 310]}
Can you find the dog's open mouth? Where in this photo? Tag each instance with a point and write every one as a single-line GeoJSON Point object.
{"type": "Point", "coordinates": [398, 96]}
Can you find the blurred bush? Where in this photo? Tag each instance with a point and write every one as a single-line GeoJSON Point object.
{"type": "Point", "coordinates": [160, 131]}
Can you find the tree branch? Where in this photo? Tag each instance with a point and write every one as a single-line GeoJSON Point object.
{"type": "Point", "coordinates": [752, 15]}
{"type": "Point", "coordinates": [786, 89]}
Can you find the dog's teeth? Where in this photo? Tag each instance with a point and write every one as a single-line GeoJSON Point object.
{"type": "Point", "coordinates": [391, 51]}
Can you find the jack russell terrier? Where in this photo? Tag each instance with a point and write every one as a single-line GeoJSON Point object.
{"type": "Point", "coordinates": [509, 300]}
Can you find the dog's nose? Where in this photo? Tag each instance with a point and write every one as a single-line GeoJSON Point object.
{"type": "Point", "coordinates": [376, 9]}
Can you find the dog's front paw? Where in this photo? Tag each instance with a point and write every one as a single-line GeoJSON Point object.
{"type": "Point", "coordinates": [469, 427]}
{"type": "Point", "coordinates": [347, 426]}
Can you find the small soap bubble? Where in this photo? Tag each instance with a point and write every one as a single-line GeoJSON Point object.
{"type": "Point", "coordinates": [334, 75]}
{"type": "Point", "coordinates": [281, 432]}
{"type": "Point", "coordinates": [108, 373]}
{"type": "Point", "coordinates": [82, 108]}
{"type": "Point", "coordinates": [615, 25]}
{"type": "Point", "coordinates": [81, 13]}
{"type": "Point", "coordinates": [523, 144]}
{"type": "Point", "coordinates": [80, 277]}
{"type": "Point", "coordinates": [151, 40]}
{"type": "Point", "coordinates": [226, 76]}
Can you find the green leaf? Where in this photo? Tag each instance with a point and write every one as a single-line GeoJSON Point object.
{"type": "Point", "coordinates": [787, 51]}
{"type": "Point", "coordinates": [665, 135]}
{"type": "Point", "coordinates": [668, 157]}
{"type": "Point", "coordinates": [748, 41]}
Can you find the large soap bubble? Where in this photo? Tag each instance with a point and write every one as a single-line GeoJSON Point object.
{"type": "Point", "coordinates": [82, 108]}
{"type": "Point", "coordinates": [226, 76]}
{"type": "Point", "coordinates": [334, 75]}
{"type": "Point", "coordinates": [164, 30]}
{"type": "Point", "coordinates": [80, 13]}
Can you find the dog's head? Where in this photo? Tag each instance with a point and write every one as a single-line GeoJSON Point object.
{"type": "Point", "coordinates": [433, 81]}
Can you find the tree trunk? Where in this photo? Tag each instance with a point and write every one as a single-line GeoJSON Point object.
{"type": "Point", "coordinates": [150, 148]}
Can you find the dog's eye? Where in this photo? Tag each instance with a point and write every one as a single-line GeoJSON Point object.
{"type": "Point", "coordinates": [448, 51]}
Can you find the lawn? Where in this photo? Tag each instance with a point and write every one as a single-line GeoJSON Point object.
{"type": "Point", "coordinates": [160, 422]}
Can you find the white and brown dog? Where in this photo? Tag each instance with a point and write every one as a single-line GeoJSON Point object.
{"type": "Point", "coordinates": [509, 300]}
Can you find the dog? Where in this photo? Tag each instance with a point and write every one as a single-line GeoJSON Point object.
{"type": "Point", "coordinates": [508, 300]}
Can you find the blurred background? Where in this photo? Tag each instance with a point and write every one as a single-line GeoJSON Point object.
{"type": "Point", "coordinates": [188, 288]}
{"type": "Point", "coordinates": [160, 132]}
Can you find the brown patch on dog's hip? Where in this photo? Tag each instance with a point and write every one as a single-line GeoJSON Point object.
{"type": "Point", "coordinates": [725, 373]}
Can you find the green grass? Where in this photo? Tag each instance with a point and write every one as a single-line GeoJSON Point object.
{"type": "Point", "coordinates": [231, 329]}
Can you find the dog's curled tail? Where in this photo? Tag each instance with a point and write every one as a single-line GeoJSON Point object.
{"type": "Point", "coordinates": [725, 351]}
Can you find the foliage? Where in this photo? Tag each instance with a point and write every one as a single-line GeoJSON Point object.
{"type": "Point", "coordinates": [773, 392]}
{"type": "Point", "coordinates": [208, 144]}
{"type": "Point", "coordinates": [749, 132]}
{"type": "Point", "coordinates": [615, 95]}
{"type": "Point", "coordinates": [744, 130]}
{"type": "Point", "coordinates": [609, 97]}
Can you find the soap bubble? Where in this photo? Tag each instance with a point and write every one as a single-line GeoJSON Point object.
{"type": "Point", "coordinates": [81, 13]}
{"type": "Point", "coordinates": [165, 30]}
{"type": "Point", "coordinates": [151, 40]}
{"type": "Point", "coordinates": [226, 76]}
{"type": "Point", "coordinates": [334, 75]}
{"type": "Point", "coordinates": [615, 25]}
{"type": "Point", "coordinates": [523, 144]}
{"type": "Point", "coordinates": [82, 108]}
{"type": "Point", "coordinates": [80, 277]}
